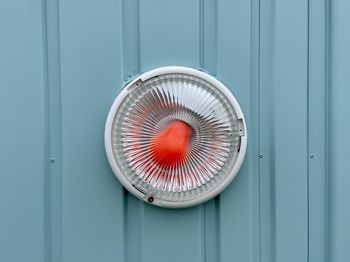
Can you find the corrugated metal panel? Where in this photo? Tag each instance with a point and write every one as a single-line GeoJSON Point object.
{"type": "Point", "coordinates": [62, 64]}
{"type": "Point", "coordinates": [23, 134]}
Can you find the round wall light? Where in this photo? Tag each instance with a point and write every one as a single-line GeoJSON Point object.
{"type": "Point", "coordinates": [175, 137]}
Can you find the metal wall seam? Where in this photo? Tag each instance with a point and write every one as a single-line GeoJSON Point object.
{"type": "Point", "coordinates": [52, 33]}
{"type": "Point", "coordinates": [133, 208]}
{"type": "Point", "coordinates": [207, 62]}
{"type": "Point", "coordinates": [316, 129]}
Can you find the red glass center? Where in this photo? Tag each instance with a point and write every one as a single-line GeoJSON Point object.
{"type": "Point", "coordinates": [172, 144]}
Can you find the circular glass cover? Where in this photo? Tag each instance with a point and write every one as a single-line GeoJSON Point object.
{"type": "Point", "coordinates": [176, 138]}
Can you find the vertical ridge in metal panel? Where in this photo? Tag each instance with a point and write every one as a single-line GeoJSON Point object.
{"type": "Point", "coordinates": [131, 38]}
{"type": "Point", "coordinates": [234, 69]}
{"type": "Point", "coordinates": [133, 209]}
{"type": "Point", "coordinates": [207, 62]}
{"type": "Point", "coordinates": [284, 108]}
{"type": "Point", "coordinates": [266, 135]}
{"type": "Point", "coordinates": [254, 180]}
{"type": "Point", "coordinates": [317, 124]}
{"type": "Point", "coordinates": [133, 234]}
{"type": "Point", "coordinates": [208, 35]}
{"type": "Point", "coordinates": [338, 129]}
{"type": "Point", "coordinates": [327, 79]}
{"type": "Point", "coordinates": [47, 179]}
{"type": "Point", "coordinates": [55, 137]}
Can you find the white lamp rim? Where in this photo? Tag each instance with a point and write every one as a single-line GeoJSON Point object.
{"type": "Point", "coordinates": [164, 71]}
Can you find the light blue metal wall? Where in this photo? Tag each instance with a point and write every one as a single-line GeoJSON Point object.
{"type": "Point", "coordinates": [62, 63]}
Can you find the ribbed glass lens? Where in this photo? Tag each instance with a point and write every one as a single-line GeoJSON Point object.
{"type": "Point", "coordinates": [175, 137]}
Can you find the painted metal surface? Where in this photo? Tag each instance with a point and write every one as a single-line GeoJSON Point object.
{"type": "Point", "coordinates": [63, 63]}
